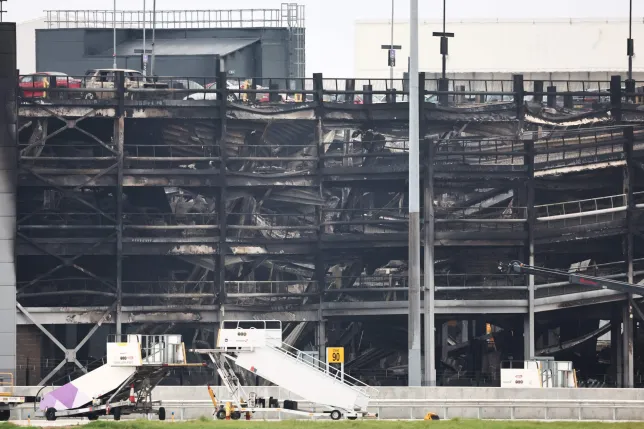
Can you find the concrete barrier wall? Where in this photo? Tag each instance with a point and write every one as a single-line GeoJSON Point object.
{"type": "Point", "coordinates": [390, 404]}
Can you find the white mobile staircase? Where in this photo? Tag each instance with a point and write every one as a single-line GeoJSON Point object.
{"type": "Point", "coordinates": [257, 347]}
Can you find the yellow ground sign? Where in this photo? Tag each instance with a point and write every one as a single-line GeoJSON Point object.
{"type": "Point", "coordinates": [335, 354]}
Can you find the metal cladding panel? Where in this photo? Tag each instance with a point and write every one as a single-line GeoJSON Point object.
{"type": "Point", "coordinates": [7, 196]}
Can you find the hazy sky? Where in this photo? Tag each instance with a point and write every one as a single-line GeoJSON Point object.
{"type": "Point", "coordinates": [330, 23]}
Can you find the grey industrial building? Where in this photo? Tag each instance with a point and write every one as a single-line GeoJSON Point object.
{"type": "Point", "coordinates": [267, 43]}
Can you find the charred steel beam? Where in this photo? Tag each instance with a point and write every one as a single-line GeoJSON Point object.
{"type": "Point", "coordinates": [70, 354]}
{"type": "Point", "coordinates": [178, 227]}
{"type": "Point", "coordinates": [65, 262]}
{"type": "Point", "coordinates": [69, 192]}
{"type": "Point", "coordinates": [65, 293]}
{"type": "Point", "coordinates": [68, 158]}
{"type": "Point", "coordinates": [519, 95]}
{"type": "Point", "coordinates": [616, 97]}
{"type": "Point", "coordinates": [73, 124]}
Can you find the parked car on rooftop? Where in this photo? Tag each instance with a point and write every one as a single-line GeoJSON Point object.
{"type": "Point", "coordinates": [32, 85]}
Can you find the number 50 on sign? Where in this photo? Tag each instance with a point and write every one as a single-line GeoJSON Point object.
{"type": "Point", "coordinates": [335, 354]}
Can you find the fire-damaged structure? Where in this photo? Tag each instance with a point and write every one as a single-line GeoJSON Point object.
{"type": "Point", "coordinates": [163, 215]}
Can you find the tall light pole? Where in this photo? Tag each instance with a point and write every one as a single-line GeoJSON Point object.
{"type": "Point", "coordinates": [114, 36]}
{"type": "Point", "coordinates": [630, 47]}
{"type": "Point", "coordinates": [154, 27]}
{"type": "Point", "coordinates": [391, 54]}
{"type": "Point", "coordinates": [414, 367]}
{"type": "Point", "coordinates": [443, 84]}
{"type": "Point", "coordinates": [391, 66]}
{"type": "Point", "coordinates": [145, 53]}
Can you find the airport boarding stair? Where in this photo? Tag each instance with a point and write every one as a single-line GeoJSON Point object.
{"type": "Point", "coordinates": [261, 351]}
{"type": "Point", "coordinates": [136, 361]}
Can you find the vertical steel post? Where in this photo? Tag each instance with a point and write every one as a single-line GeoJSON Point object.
{"type": "Point", "coordinates": [529, 335]}
{"type": "Point", "coordinates": [222, 96]}
{"type": "Point", "coordinates": [429, 317]}
{"type": "Point", "coordinates": [627, 344]}
{"type": "Point", "coordinates": [391, 68]}
{"type": "Point", "coordinates": [145, 63]}
{"type": "Point", "coordinates": [630, 48]}
{"type": "Point", "coordinates": [119, 136]}
{"type": "Point", "coordinates": [114, 36]}
{"type": "Point", "coordinates": [154, 27]}
{"type": "Point", "coordinates": [414, 205]}
{"type": "Point", "coordinates": [627, 317]}
{"type": "Point", "coordinates": [444, 56]}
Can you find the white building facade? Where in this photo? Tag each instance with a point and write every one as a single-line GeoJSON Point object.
{"type": "Point", "coordinates": [539, 49]}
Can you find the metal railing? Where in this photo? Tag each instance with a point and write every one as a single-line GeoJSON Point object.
{"type": "Point", "coordinates": [275, 153]}
{"type": "Point", "coordinates": [169, 221]}
{"type": "Point", "coordinates": [270, 288]}
{"type": "Point", "coordinates": [500, 151]}
{"type": "Point", "coordinates": [359, 153]}
{"type": "Point", "coordinates": [578, 147]}
{"type": "Point", "coordinates": [273, 225]}
{"type": "Point", "coordinates": [329, 90]}
{"type": "Point", "coordinates": [177, 19]}
{"type": "Point", "coordinates": [366, 220]}
{"type": "Point", "coordinates": [588, 211]}
{"type": "Point", "coordinates": [167, 289]}
{"type": "Point", "coordinates": [447, 287]}
{"type": "Point", "coordinates": [154, 155]}
{"type": "Point", "coordinates": [155, 349]}
{"type": "Point", "coordinates": [331, 371]}
{"type": "Point", "coordinates": [72, 154]}
{"type": "Point", "coordinates": [53, 219]}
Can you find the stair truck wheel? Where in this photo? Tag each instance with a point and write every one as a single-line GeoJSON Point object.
{"type": "Point", "coordinates": [92, 417]}
{"type": "Point", "coordinates": [336, 415]}
{"type": "Point", "coordinates": [4, 415]}
{"type": "Point", "coordinates": [221, 414]}
{"type": "Point", "coordinates": [235, 415]}
{"type": "Point", "coordinates": [117, 413]}
{"type": "Point", "coordinates": [161, 413]}
{"type": "Point", "coordinates": [50, 414]}
{"type": "Point", "coordinates": [352, 417]}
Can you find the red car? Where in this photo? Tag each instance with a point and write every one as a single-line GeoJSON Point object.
{"type": "Point", "coordinates": [32, 82]}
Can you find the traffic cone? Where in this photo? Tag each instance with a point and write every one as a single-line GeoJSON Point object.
{"type": "Point", "coordinates": [132, 400]}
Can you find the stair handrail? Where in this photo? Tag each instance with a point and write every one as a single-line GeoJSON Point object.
{"type": "Point", "coordinates": [333, 372]}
